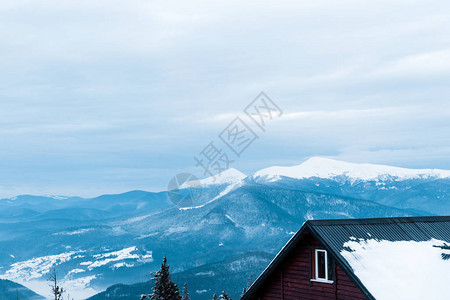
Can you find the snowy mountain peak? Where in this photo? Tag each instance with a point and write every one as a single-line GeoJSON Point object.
{"type": "Point", "coordinates": [329, 168]}
{"type": "Point", "coordinates": [230, 175]}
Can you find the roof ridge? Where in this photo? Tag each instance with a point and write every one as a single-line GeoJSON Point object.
{"type": "Point", "coordinates": [390, 220]}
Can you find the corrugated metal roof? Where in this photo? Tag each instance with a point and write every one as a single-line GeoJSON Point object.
{"type": "Point", "coordinates": [335, 233]}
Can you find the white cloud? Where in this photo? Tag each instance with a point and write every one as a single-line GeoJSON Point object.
{"type": "Point", "coordinates": [92, 87]}
{"type": "Point", "coordinates": [423, 64]}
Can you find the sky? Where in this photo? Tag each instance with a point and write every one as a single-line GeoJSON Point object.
{"type": "Point", "coordinates": [109, 96]}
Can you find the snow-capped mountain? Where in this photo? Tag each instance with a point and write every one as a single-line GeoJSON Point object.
{"type": "Point", "coordinates": [121, 238]}
{"type": "Point", "coordinates": [325, 168]}
{"type": "Point", "coordinates": [228, 176]}
{"type": "Point", "coordinates": [423, 189]}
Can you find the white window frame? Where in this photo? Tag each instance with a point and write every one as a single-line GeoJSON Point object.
{"type": "Point", "coordinates": [316, 267]}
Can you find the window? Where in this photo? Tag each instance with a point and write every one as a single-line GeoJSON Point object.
{"type": "Point", "coordinates": [322, 267]}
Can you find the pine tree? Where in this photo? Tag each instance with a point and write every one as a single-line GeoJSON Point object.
{"type": "Point", "coordinates": [185, 293]}
{"type": "Point", "coordinates": [215, 297]}
{"type": "Point", "coordinates": [224, 296]}
{"type": "Point", "coordinates": [250, 281]}
{"type": "Point", "coordinates": [57, 291]}
{"type": "Point", "coordinates": [164, 288]}
{"type": "Point", "coordinates": [249, 284]}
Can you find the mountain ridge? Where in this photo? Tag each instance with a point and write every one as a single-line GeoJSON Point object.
{"type": "Point", "coordinates": [314, 167]}
{"type": "Point", "coordinates": [327, 168]}
{"type": "Point", "coordinates": [120, 238]}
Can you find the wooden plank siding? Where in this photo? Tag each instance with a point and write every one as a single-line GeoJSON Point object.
{"type": "Point", "coordinates": [291, 279]}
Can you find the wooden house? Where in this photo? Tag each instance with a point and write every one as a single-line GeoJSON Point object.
{"type": "Point", "coordinates": [385, 258]}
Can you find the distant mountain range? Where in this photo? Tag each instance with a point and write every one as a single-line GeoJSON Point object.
{"type": "Point", "coordinates": [12, 290]}
{"type": "Point", "coordinates": [116, 239]}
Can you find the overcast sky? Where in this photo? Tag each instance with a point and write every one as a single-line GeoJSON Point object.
{"type": "Point", "coordinates": [109, 96]}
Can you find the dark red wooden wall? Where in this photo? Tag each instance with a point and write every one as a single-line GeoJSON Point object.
{"type": "Point", "coordinates": [291, 279]}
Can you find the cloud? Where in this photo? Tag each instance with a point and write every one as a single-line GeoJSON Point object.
{"type": "Point", "coordinates": [424, 64]}
{"type": "Point", "coordinates": [408, 157]}
{"type": "Point", "coordinates": [91, 87]}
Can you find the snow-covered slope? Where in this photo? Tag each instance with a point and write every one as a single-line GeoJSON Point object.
{"type": "Point", "coordinates": [229, 176]}
{"type": "Point", "coordinates": [222, 184]}
{"type": "Point", "coordinates": [226, 177]}
{"type": "Point", "coordinates": [329, 168]}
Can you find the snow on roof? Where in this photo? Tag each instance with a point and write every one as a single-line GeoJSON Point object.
{"type": "Point", "coordinates": [401, 269]}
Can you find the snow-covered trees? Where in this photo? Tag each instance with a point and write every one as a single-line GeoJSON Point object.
{"type": "Point", "coordinates": [185, 293]}
{"type": "Point", "coordinates": [250, 281]}
{"type": "Point", "coordinates": [249, 284]}
{"type": "Point", "coordinates": [164, 288]}
{"type": "Point", "coordinates": [57, 291]}
{"type": "Point", "coordinates": [224, 296]}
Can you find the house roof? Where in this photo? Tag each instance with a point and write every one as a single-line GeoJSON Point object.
{"type": "Point", "coordinates": [364, 247]}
